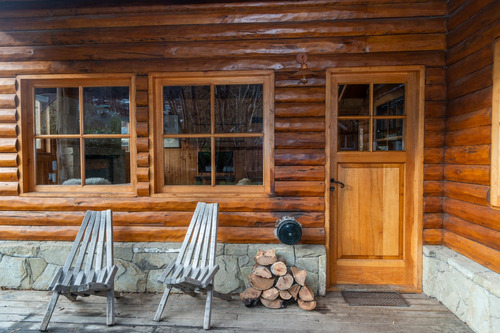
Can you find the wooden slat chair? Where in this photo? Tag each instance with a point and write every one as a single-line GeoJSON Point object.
{"type": "Point", "coordinates": [194, 269]}
{"type": "Point", "coordinates": [93, 247]}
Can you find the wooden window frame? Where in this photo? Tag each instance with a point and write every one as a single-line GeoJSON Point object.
{"type": "Point", "coordinates": [156, 83]}
{"type": "Point", "coordinates": [28, 83]}
{"type": "Point", "coordinates": [495, 129]}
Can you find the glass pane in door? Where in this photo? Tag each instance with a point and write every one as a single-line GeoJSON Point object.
{"type": "Point", "coordinates": [354, 99]}
{"type": "Point", "coordinates": [353, 135]}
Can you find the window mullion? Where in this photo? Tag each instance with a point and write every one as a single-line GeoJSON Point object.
{"type": "Point", "coordinates": [212, 132]}
{"type": "Point", "coordinates": [371, 131]}
{"type": "Point", "coordinates": [82, 143]}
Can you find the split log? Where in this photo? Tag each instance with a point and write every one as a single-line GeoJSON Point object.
{"type": "Point", "coordinates": [299, 275]}
{"type": "Point", "coordinates": [279, 268]}
{"type": "Point", "coordinates": [285, 295]}
{"type": "Point", "coordinates": [262, 272]}
{"type": "Point", "coordinates": [284, 282]}
{"type": "Point", "coordinates": [270, 294]}
{"type": "Point", "coordinates": [294, 291]}
{"type": "Point", "coordinates": [265, 258]}
{"type": "Point", "coordinates": [306, 293]}
{"type": "Point", "coordinates": [275, 304]}
{"type": "Point", "coordinates": [306, 305]}
{"type": "Point", "coordinates": [260, 283]}
{"type": "Point", "coordinates": [250, 296]}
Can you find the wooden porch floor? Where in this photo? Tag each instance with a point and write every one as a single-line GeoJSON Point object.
{"type": "Point", "coordinates": [21, 311]}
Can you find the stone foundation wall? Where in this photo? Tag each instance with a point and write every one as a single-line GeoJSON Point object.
{"type": "Point", "coordinates": [31, 265]}
{"type": "Point", "coordinates": [469, 290]}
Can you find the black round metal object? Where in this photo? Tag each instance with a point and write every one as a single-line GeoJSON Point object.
{"type": "Point", "coordinates": [288, 230]}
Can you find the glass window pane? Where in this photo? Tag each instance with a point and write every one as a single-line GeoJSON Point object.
{"type": "Point", "coordinates": [354, 100]}
{"type": "Point", "coordinates": [57, 161]}
{"type": "Point", "coordinates": [389, 99]}
{"type": "Point", "coordinates": [239, 161]}
{"type": "Point", "coordinates": [353, 135]}
{"type": "Point", "coordinates": [388, 134]}
{"type": "Point", "coordinates": [186, 109]}
{"type": "Point", "coordinates": [106, 110]}
{"type": "Point", "coordinates": [107, 161]}
{"type": "Point", "coordinates": [239, 108]}
{"type": "Point", "coordinates": [56, 111]}
{"type": "Point", "coordinates": [187, 161]}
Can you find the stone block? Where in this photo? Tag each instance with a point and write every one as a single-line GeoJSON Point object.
{"type": "Point", "coordinates": [19, 249]}
{"type": "Point", "coordinates": [494, 313]}
{"type": "Point", "coordinates": [153, 285]}
{"type": "Point", "coordinates": [18, 277]}
{"type": "Point", "coordinates": [156, 247]}
{"type": "Point", "coordinates": [37, 266]}
{"type": "Point", "coordinates": [153, 260]}
{"type": "Point", "coordinates": [123, 251]}
{"type": "Point", "coordinates": [55, 252]}
{"type": "Point", "coordinates": [311, 265]}
{"type": "Point", "coordinates": [43, 280]}
{"type": "Point", "coordinates": [228, 278]}
{"type": "Point", "coordinates": [322, 275]}
{"type": "Point", "coordinates": [238, 250]}
{"type": "Point", "coordinates": [490, 281]}
{"type": "Point", "coordinates": [129, 277]}
{"type": "Point", "coordinates": [308, 251]}
{"type": "Point", "coordinates": [478, 316]}
{"type": "Point", "coordinates": [312, 282]}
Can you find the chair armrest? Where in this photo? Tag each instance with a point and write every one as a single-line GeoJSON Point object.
{"type": "Point", "coordinates": [166, 272]}
{"type": "Point", "coordinates": [210, 276]}
{"type": "Point", "coordinates": [56, 278]}
{"type": "Point", "coordinates": [111, 275]}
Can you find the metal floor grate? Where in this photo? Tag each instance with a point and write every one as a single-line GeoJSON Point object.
{"type": "Point", "coordinates": [374, 298]}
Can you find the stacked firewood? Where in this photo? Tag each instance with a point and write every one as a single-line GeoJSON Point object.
{"type": "Point", "coordinates": [274, 284]}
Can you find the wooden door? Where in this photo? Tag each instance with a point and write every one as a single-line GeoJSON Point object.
{"type": "Point", "coordinates": [375, 178]}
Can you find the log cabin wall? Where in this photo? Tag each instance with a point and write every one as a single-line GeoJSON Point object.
{"type": "Point", "coordinates": [470, 226]}
{"type": "Point", "coordinates": [236, 36]}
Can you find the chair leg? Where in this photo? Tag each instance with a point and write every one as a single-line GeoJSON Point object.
{"type": "Point", "coordinates": [163, 301]}
{"type": "Point", "coordinates": [50, 310]}
{"type": "Point", "coordinates": [110, 308]}
{"type": "Point", "coordinates": [208, 309]}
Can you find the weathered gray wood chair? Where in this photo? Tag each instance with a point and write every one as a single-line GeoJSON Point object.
{"type": "Point", "coordinates": [194, 269]}
{"type": "Point", "coordinates": [93, 247]}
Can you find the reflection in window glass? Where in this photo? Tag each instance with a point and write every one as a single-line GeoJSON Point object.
{"type": "Point", "coordinates": [56, 111]}
{"type": "Point", "coordinates": [186, 109]}
{"type": "Point", "coordinates": [238, 108]}
{"type": "Point", "coordinates": [187, 161]}
{"type": "Point", "coordinates": [353, 135]}
{"type": "Point", "coordinates": [388, 134]}
{"type": "Point", "coordinates": [107, 161]}
{"type": "Point", "coordinates": [106, 110]}
{"type": "Point", "coordinates": [57, 161]}
{"type": "Point", "coordinates": [354, 100]}
{"type": "Point", "coordinates": [389, 99]}
{"type": "Point", "coordinates": [239, 161]}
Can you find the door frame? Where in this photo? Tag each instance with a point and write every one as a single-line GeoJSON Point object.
{"type": "Point", "coordinates": [417, 147]}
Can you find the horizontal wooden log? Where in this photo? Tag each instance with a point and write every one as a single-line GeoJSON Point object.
{"type": "Point", "coordinates": [8, 145]}
{"type": "Point", "coordinates": [142, 174]}
{"type": "Point", "coordinates": [433, 204]}
{"type": "Point", "coordinates": [299, 140]}
{"type": "Point", "coordinates": [143, 189]}
{"type": "Point", "coordinates": [300, 109]}
{"type": "Point", "coordinates": [299, 157]}
{"type": "Point", "coordinates": [433, 155]}
{"type": "Point", "coordinates": [474, 232]}
{"type": "Point", "coordinates": [8, 160]}
{"type": "Point", "coordinates": [266, 235]}
{"type": "Point", "coordinates": [433, 172]}
{"type": "Point", "coordinates": [433, 188]}
{"type": "Point", "coordinates": [435, 75]}
{"type": "Point", "coordinates": [477, 100]}
{"type": "Point", "coordinates": [9, 174]}
{"type": "Point", "coordinates": [473, 193]}
{"type": "Point", "coordinates": [474, 213]}
{"type": "Point", "coordinates": [167, 15]}
{"type": "Point", "coordinates": [468, 155]}
{"type": "Point", "coordinates": [433, 139]}
{"type": "Point", "coordinates": [299, 173]}
{"type": "Point", "coordinates": [229, 204]}
{"type": "Point", "coordinates": [154, 218]}
{"type": "Point", "coordinates": [142, 129]}
{"type": "Point", "coordinates": [8, 101]}
{"type": "Point", "coordinates": [287, 79]}
{"type": "Point", "coordinates": [142, 114]}
{"type": "Point", "coordinates": [433, 221]}
{"type": "Point", "coordinates": [462, 10]}
{"type": "Point", "coordinates": [308, 124]}
{"type": "Point", "coordinates": [143, 159]}
{"type": "Point", "coordinates": [8, 130]}
{"type": "Point", "coordinates": [433, 236]}
{"type": "Point", "coordinates": [142, 144]}
{"type": "Point", "coordinates": [300, 188]}
{"type": "Point", "coordinates": [9, 188]}
{"type": "Point", "coordinates": [8, 116]}
{"type": "Point", "coordinates": [479, 253]}
{"type": "Point", "coordinates": [141, 98]}
{"type": "Point", "coordinates": [470, 64]}
{"type": "Point", "coordinates": [432, 125]}
{"type": "Point", "coordinates": [469, 120]}
{"type": "Point", "coordinates": [141, 81]}
{"type": "Point", "coordinates": [475, 174]}
{"type": "Point", "coordinates": [469, 136]}
{"type": "Point", "coordinates": [472, 82]}
{"type": "Point", "coordinates": [222, 32]}
{"type": "Point", "coordinates": [8, 86]}
{"type": "Point", "coordinates": [300, 95]}
{"type": "Point", "coordinates": [435, 92]}
{"type": "Point", "coordinates": [435, 109]}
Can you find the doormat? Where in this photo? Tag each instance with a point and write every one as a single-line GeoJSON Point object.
{"type": "Point", "coordinates": [374, 298]}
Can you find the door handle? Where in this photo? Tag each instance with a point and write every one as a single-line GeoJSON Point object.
{"type": "Point", "coordinates": [333, 181]}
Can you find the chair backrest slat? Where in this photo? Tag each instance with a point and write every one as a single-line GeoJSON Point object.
{"type": "Point", "coordinates": [85, 242]}
{"type": "Point", "coordinates": [109, 238]}
{"type": "Point", "coordinates": [76, 243]}
{"type": "Point", "coordinates": [194, 237]}
{"type": "Point", "coordinates": [208, 234]}
{"type": "Point", "coordinates": [185, 242]}
{"type": "Point", "coordinates": [100, 242]}
{"type": "Point", "coordinates": [213, 236]}
{"type": "Point", "coordinates": [200, 241]}
{"type": "Point", "coordinates": [92, 246]}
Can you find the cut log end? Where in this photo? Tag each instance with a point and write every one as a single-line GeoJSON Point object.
{"type": "Point", "coordinates": [265, 258]}
{"type": "Point", "coordinates": [306, 294]}
{"type": "Point", "coordinates": [284, 282]}
{"type": "Point", "coordinates": [279, 268]}
{"type": "Point", "coordinates": [250, 297]}
{"type": "Point", "coordinates": [274, 304]}
{"type": "Point", "coordinates": [306, 305]}
{"type": "Point", "coordinates": [260, 283]}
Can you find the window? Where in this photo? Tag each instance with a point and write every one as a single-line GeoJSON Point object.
{"type": "Point", "coordinates": [495, 130]}
{"type": "Point", "coordinates": [76, 133]}
{"type": "Point", "coordinates": [213, 132]}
